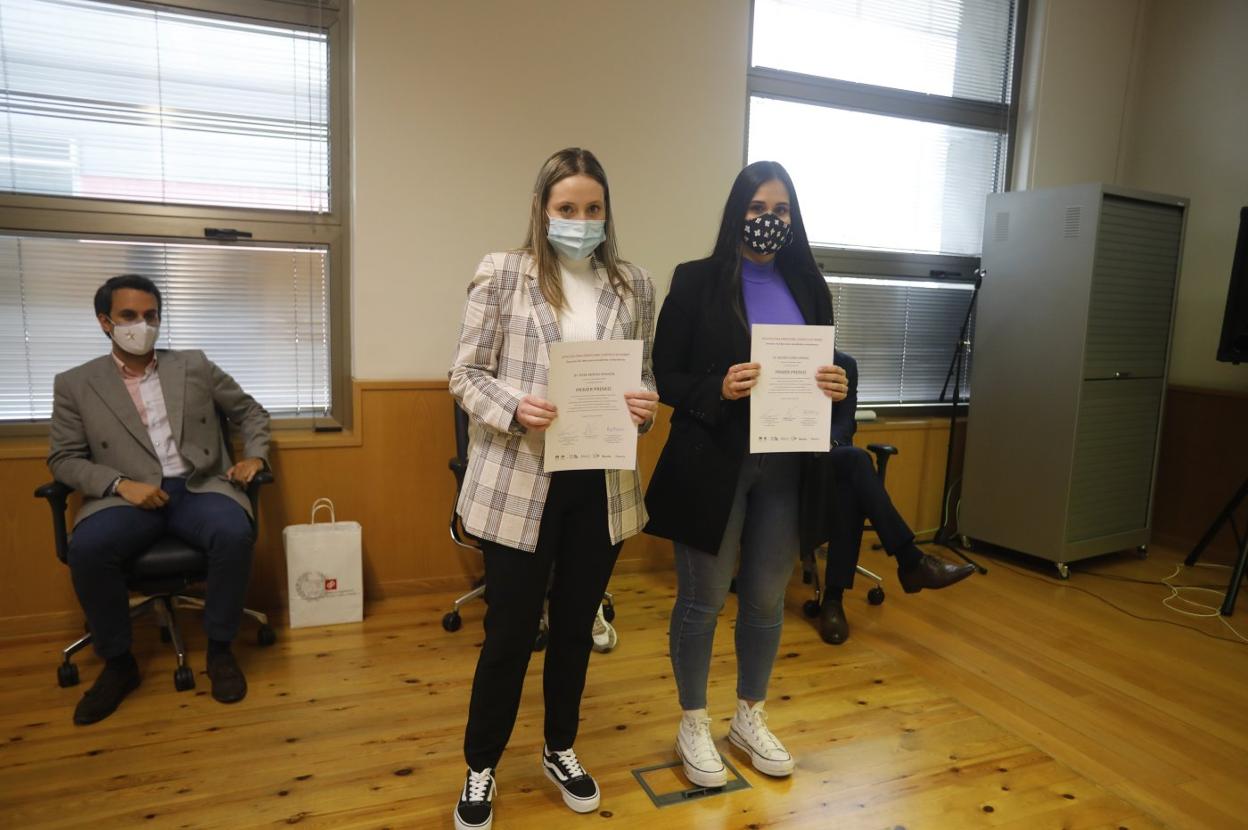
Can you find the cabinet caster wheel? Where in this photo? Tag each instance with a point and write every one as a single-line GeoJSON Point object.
{"type": "Point", "coordinates": [266, 636]}
{"type": "Point", "coordinates": [543, 637]}
{"type": "Point", "coordinates": [875, 596]}
{"type": "Point", "coordinates": [67, 675]}
{"type": "Point", "coordinates": [452, 621]}
{"type": "Point", "coordinates": [1063, 571]}
{"type": "Point", "coordinates": [183, 679]}
{"type": "Point", "coordinates": [1142, 551]}
{"type": "Point", "coordinates": [810, 608]}
{"type": "Point", "coordinates": [608, 612]}
{"type": "Point", "coordinates": [966, 542]}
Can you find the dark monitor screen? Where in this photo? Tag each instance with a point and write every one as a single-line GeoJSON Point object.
{"type": "Point", "coordinates": [1233, 347]}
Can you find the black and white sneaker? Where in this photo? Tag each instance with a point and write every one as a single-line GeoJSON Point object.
{"type": "Point", "coordinates": [476, 801]}
{"type": "Point", "coordinates": [580, 790]}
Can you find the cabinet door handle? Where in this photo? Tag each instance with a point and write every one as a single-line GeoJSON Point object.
{"type": "Point", "coordinates": [1121, 375]}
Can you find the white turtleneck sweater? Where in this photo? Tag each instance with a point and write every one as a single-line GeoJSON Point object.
{"type": "Point", "coordinates": [578, 319]}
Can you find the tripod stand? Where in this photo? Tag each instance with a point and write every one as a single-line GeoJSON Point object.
{"type": "Point", "coordinates": [944, 536]}
{"type": "Point", "coordinates": [1237, 574]}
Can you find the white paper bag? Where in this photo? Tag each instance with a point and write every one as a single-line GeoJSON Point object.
{"type": "Point", "coordinates": [323, 572]}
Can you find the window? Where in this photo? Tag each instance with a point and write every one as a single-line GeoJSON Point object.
{"type": "Point", "coordinates": [902, 332]}
{"type": "Point", "coordinates": [257, 309]}
{"type": "Point", "coordinates": [894, 120]}
{"type": "Point", "coordinates": [194, 146]}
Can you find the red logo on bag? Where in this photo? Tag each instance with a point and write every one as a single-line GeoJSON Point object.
{"type": "Point", "coordinates": [331, 585]}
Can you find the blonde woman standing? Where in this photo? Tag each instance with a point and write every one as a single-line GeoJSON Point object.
{"type": "Point", "coordinates": [566, 283]}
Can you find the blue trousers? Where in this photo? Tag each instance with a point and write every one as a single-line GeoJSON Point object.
{"type": "Point", "coordinates": [104, 542]}
{"type": "Point", "coordinates": [762, 536]}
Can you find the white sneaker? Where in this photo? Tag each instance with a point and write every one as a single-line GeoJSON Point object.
{"type": "Point", "coordinates": [605, 637]}
{"type": "Point", "coordinates": [749, 732]}
{"type": "Point", "coordinates": [696, 748]}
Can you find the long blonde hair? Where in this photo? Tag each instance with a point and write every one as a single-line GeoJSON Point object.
{"type": "Point", "coordinates": [569, 162]}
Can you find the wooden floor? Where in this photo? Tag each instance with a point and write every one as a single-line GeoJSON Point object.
{"type": "Point", "coordinates": [1011, 701]}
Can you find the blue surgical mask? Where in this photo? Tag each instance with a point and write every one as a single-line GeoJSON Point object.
{"type": "Point", "coordinates": [576, 238]}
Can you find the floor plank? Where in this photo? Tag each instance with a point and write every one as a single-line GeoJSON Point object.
{"type": "Point", "coordinates": [1011, 701]}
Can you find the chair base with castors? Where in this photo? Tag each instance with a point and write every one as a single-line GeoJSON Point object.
{"type": "Point", "coordinates": [810, 574]}
{"type": "Point", "coordinates": [164, 607]}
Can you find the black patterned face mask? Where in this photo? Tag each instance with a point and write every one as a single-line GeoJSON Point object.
{"type": "Point", "coordinates": [767, 234]}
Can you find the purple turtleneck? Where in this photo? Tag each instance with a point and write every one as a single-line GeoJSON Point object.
{"type": "Point", "coordinates": [767, 296]}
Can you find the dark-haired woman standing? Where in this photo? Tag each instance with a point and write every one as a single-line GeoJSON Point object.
{"type": "Point", "coordinates": [727, 510]}
{"type": "Point", "coordinates": [566, 283]}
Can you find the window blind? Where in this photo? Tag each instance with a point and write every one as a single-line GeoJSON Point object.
{"type": "Point", "coordinates": [260, 312]}
{"type": "Point", "coordinates": [902, 333]}
{"type": "Point", "coordinates": [143, 103]}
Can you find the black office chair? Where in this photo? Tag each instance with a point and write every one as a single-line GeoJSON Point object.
{"type": "Point", "coordinates": [810, 560]}
{"type": "Point", "coordinates": [458, 465]}
{"type": "Point", "coordinates": [164, 575]}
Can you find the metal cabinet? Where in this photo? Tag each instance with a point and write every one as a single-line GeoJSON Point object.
{"type": "Point", "coordinates": [1072, 344]}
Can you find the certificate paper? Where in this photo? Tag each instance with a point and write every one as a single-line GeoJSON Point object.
{"type": "Point", "coordinates": [788, 411]}
{"type": "Point", "coordinates": [587, 382]}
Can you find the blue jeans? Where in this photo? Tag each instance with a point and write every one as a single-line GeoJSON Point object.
{"type": "Point", "coordinates": [762, 535]}
{"type": "Point", "coordinates": [103, 544]}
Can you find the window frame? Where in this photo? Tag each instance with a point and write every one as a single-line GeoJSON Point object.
{"type": "Point", "coordinates": [797, 87]}
{"type": "Point", "coordinates": [89, 216]}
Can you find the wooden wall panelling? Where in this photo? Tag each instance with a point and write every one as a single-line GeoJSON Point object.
{"type": "Point", "coordinates": [390, 474]}
{"type": "Point", "coordinates": [1204, 457]}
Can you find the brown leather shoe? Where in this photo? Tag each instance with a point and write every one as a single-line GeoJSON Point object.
{"type": "Point", "coordinates": [228, 683]}
{"type": "Point", "coordinates": [932, 572]}
{"type": "Point", "coordinates": [833, 626]}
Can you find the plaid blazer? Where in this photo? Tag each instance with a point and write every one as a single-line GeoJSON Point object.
{"type": "Point", "coordinates": [501, 357]}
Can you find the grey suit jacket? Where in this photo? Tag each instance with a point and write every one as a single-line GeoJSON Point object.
{"type": "Point", "coordinates": [97, 435]}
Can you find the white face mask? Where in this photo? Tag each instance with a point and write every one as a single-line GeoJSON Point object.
{"type": "Point", "coordinates": [576, 238]}
{"type": "Point", "coordinates": [135, 338]}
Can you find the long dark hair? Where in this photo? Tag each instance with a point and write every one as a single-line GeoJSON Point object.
{"type": "Point", "coordinates": [794, 258]}
{"type": "Point", "coordinates": [570, 161]}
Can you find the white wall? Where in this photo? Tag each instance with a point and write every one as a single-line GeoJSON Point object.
{"type": "Point", "coordinates": [1187, 134]}
{"type": "Point", "coordinates": [1148, 94]}
{"type": "Point", "coordinates": [457, 104]}
{"type": "Point", "coordinates": [1076, 74]}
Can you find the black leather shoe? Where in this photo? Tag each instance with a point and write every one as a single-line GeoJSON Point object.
{"type": "Point", "coordinates": [932, 572]}
{"type": "Point", "coordinates": [106, 694]}
{"type": "Point", "coordinates": [228, 683]}
{"type": "Point", "coordinates": [833, 627]}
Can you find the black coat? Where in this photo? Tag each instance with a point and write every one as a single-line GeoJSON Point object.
{"type": "Point", "coordinates": [699, 336]}
{"type": "Point", "coordinates": [843, 424]}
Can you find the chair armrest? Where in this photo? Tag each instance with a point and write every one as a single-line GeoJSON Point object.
{"type": "Point", "coordinates": [53, 491]}
{"type": "Point", "coordinates": [253, 489]}
{"type": "Point", "coordinates": [882, 452]}
{"type": "Point", "coordinates": [57, 496]}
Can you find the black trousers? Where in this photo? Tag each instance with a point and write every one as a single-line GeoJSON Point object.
{"type": "Point", "coordinates": [860, 495]}
{"type": "Point", "coordinates": [575, 542]}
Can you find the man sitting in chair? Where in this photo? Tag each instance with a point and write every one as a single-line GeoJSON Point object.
{"type": "Point", "coordinates": [136, 433]}
{"type": "Point", "coordinates": [859, 493]}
